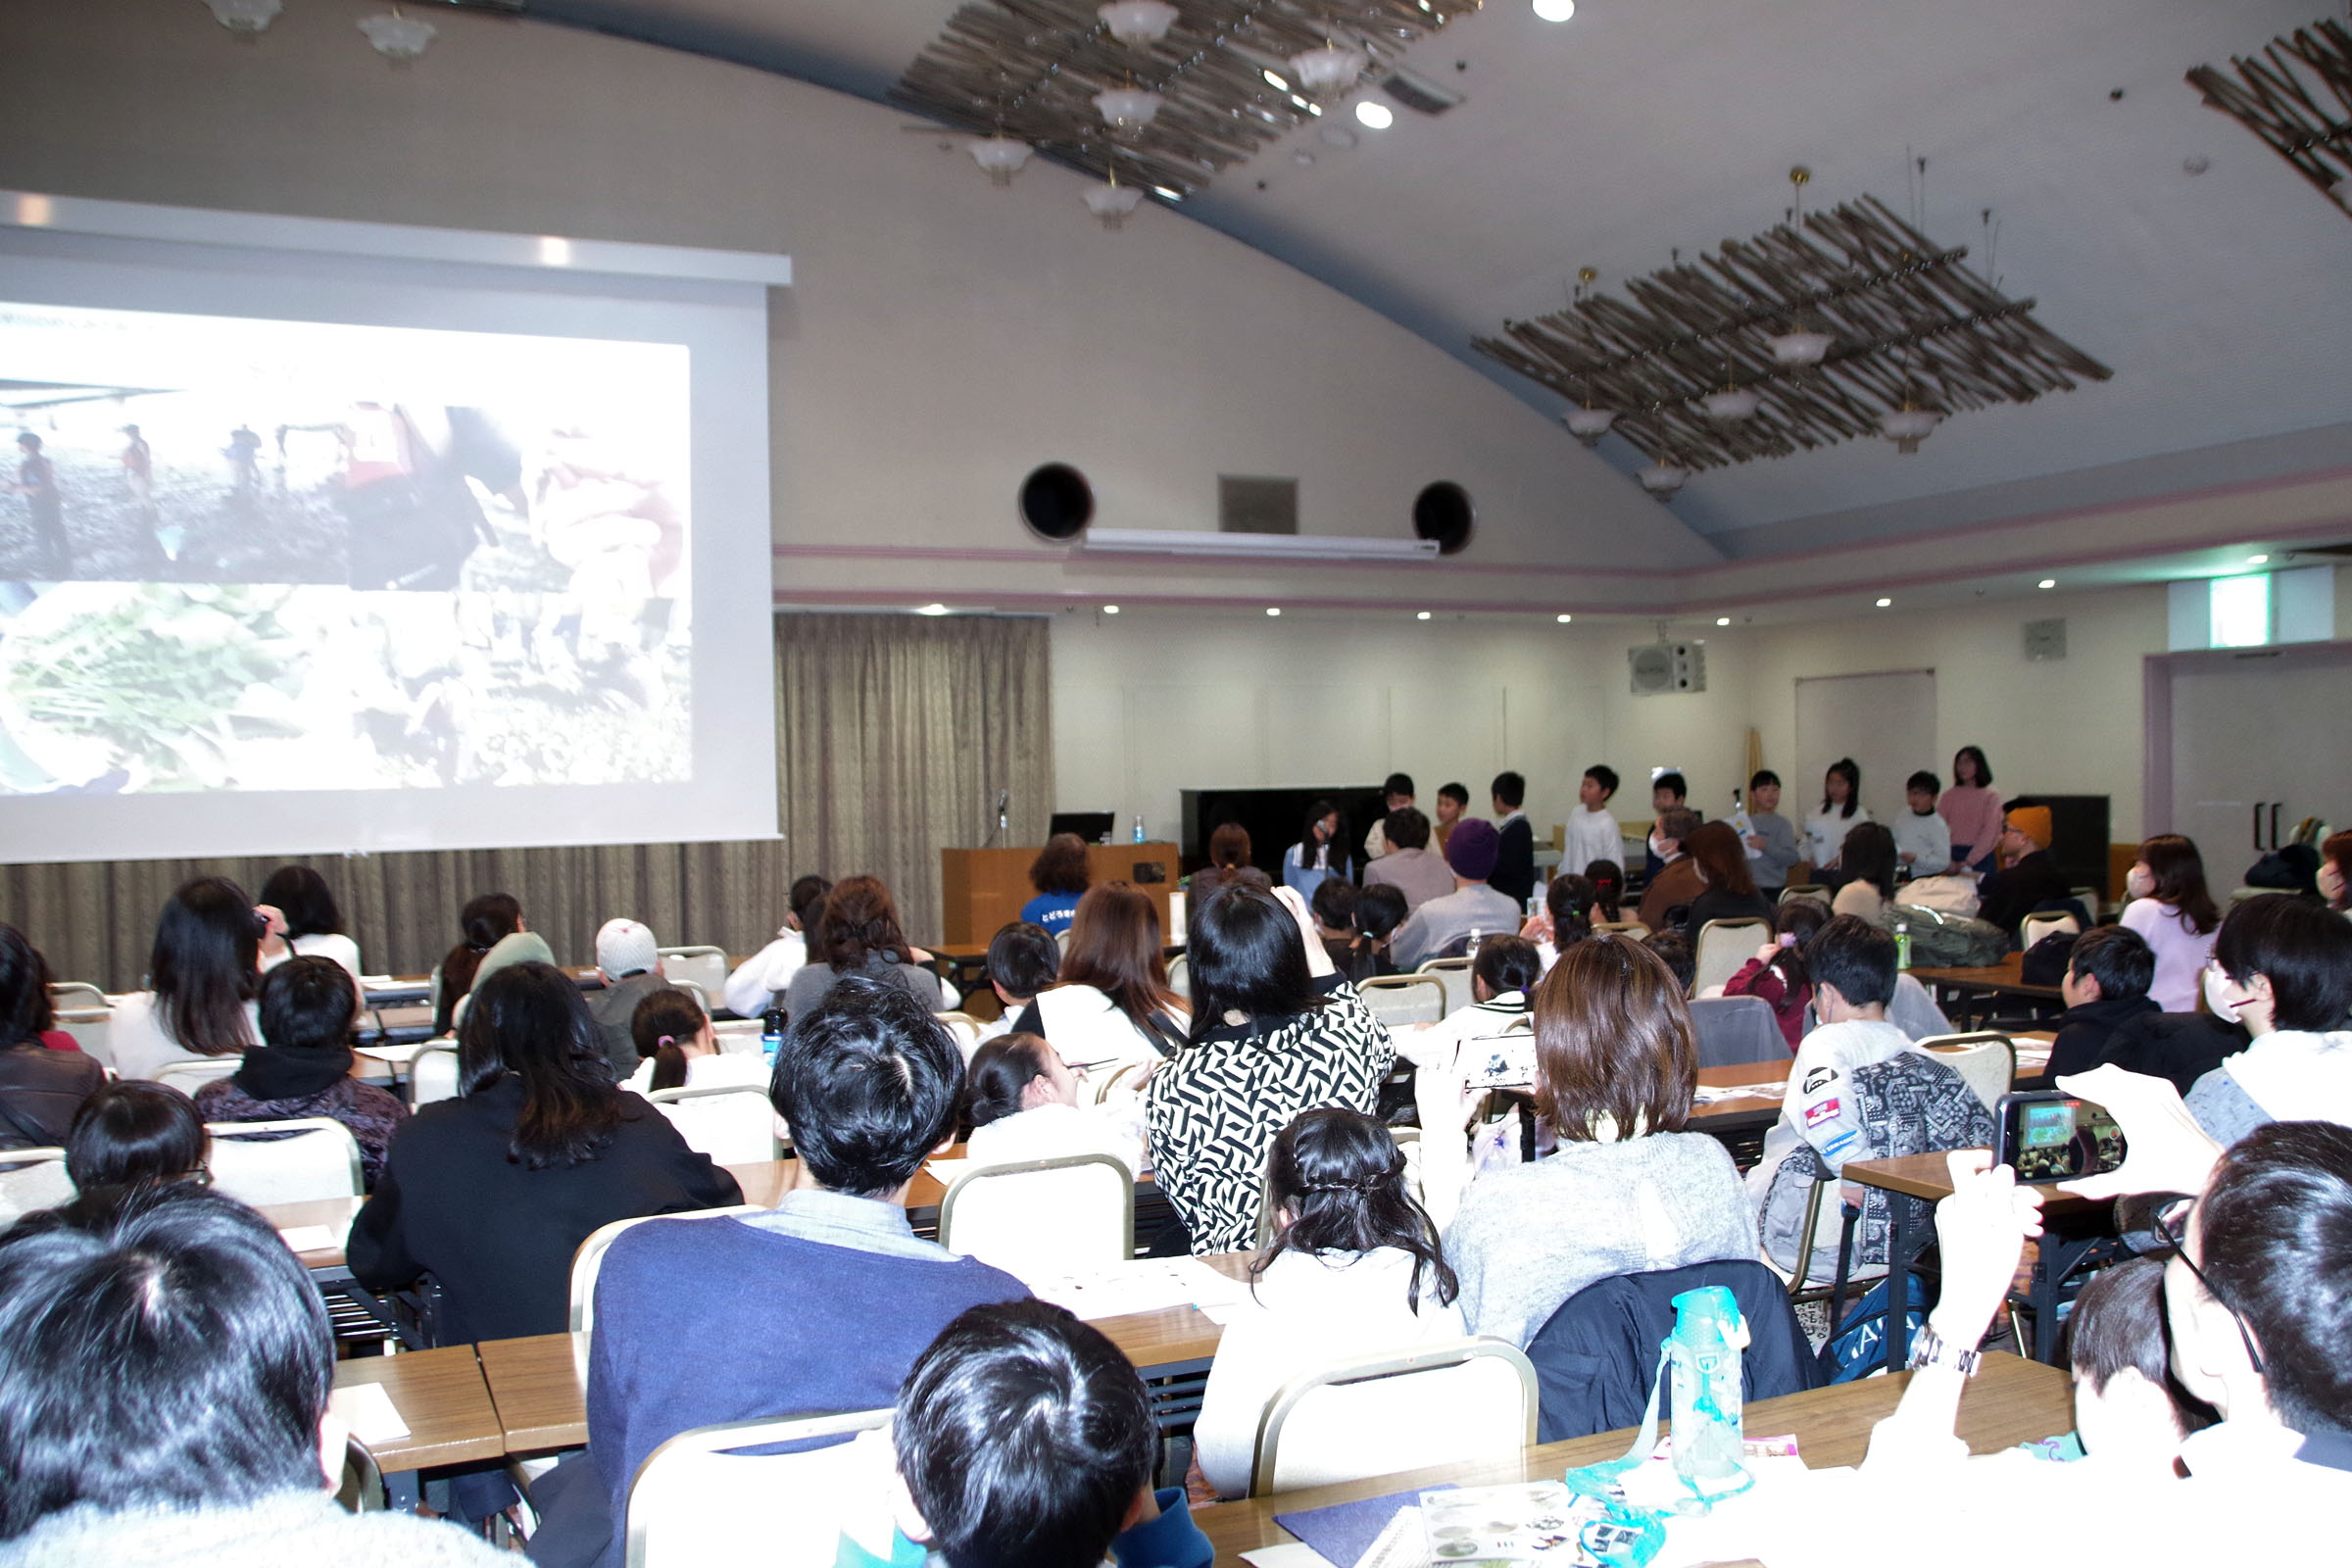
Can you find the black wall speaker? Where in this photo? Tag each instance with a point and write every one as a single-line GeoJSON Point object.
{"type": "Point", "coordinates": [1056, 502]}
{"type": "Point", "coordinates": [1442, 511]}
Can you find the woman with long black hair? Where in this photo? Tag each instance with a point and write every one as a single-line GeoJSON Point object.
{"type": "Point", "coordinates": [486, 922]}
{"type": "Point", "coordinates": [1841, 814]}
{"type": "Point", "coordinates": [203, 974]}
{"type": "Point", "coordinates": [1321, 851]}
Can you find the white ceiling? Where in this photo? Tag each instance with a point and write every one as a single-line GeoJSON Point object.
{"type": "Point", "coordinates": [2218, 298]}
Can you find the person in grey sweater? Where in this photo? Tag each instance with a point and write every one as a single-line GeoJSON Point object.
{"type": "Point", "coordinates": [1626, 1190]}
{"type": "Point", "coordinates": [165, 1365]}
{"type": "Point", "coordinates": [1771, 837]}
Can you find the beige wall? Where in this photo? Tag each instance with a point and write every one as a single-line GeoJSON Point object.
{"type": "Point", "coordinates": [1148, 703]}
{"type": "Point", "coordinates": [942, 338]}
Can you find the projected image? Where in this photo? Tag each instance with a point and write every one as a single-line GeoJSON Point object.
{"type": "Point", "coordinates": [257, 555]}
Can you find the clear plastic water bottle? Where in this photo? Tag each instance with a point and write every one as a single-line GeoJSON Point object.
{"type": "Point", "coordinates": [772, 1034]}
{"type": "Point", "coordinates": [1902, 944]}
{"type": "Point", "coordinates": [1703, 1359]}
{"type": "Point", "coordinates": [1138, 828]}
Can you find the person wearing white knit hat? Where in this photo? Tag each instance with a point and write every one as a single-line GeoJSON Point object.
{"type": "Point", "coordinates": [629, 960]}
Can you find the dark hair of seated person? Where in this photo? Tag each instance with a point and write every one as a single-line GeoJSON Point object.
{"type": "Point", "coordinates": [203, 965]}
{"type": "Point", "coordinates": [1569, 901]}
{"type": "Point", "coordinates": [1060, 867]}
{"type": "Point", "coordinates": [1869, 855]}
{"type": "Point", "coordinates": [1229, 846]}
{"type": "Point", "coordinates": [2275, 1229]}
{"type": "Point", "coordinates": [1405, 828]}
{"type": "Point", "coordinates": [1023, 959]}
{"type": "Point", "coordinates": [1717, 849]}
{"type": "Point", "coordinates": [1113, 946]}
{"type": "Point", "coordinates": [859, 925]}
{"type": "Point", "coordinates": [1506, 963]}
{"type": "Point", "coordinates": [2118, 958]}
{"type": "Point", "coordinates": [1855, 957]}
{"type": "Point", "coordinates": [133, 1132]}
{"type": "Point", "coordinates": [2303, 947]}
{"type": "Point", "coordinates": [807, 898]}
{"type": "Point", "coordinates": [1615, 1051]}
{"type": "Point", "coordinates": [1338, 1178]}
{"type": "Point", "coordinates": [1025, 1437]}
{"type": "Point", "coordinates": [308, 1003]}
{"type": "Point", "coordinates": [1380, 910]}
{"type": "Point", "coordinates": [999, 1075]}
{"type": "Point", "coordinates": [302, 896]}
{"type": "Point", "coordinates": [487, 919]}
{"type": "Point", "coordinates": [1674, 952]}
{"type": "Point", "coordinates": [528, 1020]}
{"type": "Point", "coordinates": [667, 1017]}
{"type": "Point", "coordinates": [1248, 956]}
{"type": "Point", "coordinates": [870, 1083]}
{"type": "Point", "coordinates": [2117, 1325]}
{"type": "Point", "coordinates": [160, 1349]}
{"type": "Point", "coordinates": [1334, 904]}
{"type": "Point", "coordinates": [25, 1010]}
{"type": "Point", "coordinates": [1608, 888]}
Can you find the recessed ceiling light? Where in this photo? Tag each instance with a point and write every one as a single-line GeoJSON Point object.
{"type": "Point", "coordinates": [1373, 114]}
{"type": "Point", "coordinates": [1555, 9]}
{"type": "Point", "coordinates": [1110, 609]}
{"type": "Point", "coordinates": [1883, 603]}
{"type": "Point", "coordinates": [2047, 582]}
{"type": "Point", "coordinates": [1421, 616]}
{"type": "Point", "coordinates": [930, 610]}
{"type": "Point", "coordinates": [1271, 610]}
{"type": "Point", "coordinates": [1723, 620]}
{"type": "Point", "coordinates": [1275, 82]}
{"type": "Point", "coordinates": [1563, 619]}
{"type": "Point", "coordinates": [2257, 561]}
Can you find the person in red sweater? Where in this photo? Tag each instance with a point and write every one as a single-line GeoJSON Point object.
{"type": "Point", "coordinates": [1777, 973]}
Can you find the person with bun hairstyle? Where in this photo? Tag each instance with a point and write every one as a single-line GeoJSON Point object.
{"type": "Point", "coordinates": [677, 1049]}
{"type": "Point", "coordinates": [485, 920]}
{"type": "Point", "coordinates": [859, 933]}
{"type": "Point", "coordinates": [1354, 1268]}
{"type": "Point", "coordinates": [1626, 1190]}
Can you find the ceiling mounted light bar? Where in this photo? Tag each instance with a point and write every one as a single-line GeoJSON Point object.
{"type": "Point", "coordinates": [1255, 546]}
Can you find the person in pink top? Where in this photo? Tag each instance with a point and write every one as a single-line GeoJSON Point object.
{"type": "Point", "coordinates": [1972, 810]}
{"type": "Point", "coordinates": [2171, 908]}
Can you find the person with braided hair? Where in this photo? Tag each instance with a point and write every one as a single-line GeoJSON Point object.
{"type": "Point", "coordinates": [1354, 1268]}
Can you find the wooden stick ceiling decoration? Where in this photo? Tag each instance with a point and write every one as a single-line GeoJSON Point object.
{"type": "Point", "coordinates": [2282, 95]}
{"type": "Point", "coordinates": [1222, 74]}
{"type": "Point", "coordinates": [1723, 362]}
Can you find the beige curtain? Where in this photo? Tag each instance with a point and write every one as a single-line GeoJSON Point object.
{"type": "Point", "coordinates": [894, 735]}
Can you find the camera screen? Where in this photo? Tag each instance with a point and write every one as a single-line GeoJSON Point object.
{"type": "Point", "coordinates": [2059, 1140]}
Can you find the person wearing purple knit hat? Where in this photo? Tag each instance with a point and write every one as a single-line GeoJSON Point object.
{"type": "Point", "coordinates": [1472, 910]}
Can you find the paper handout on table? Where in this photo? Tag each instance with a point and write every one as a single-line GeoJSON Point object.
{"type": "Point", "coordinates": [309, 1237]}
{"type": "Point", "coordinates": [1710, 1094]}
{"type": "Point", "coordinates": [369, 1411]}
{"type": "Point", "coordinates": [1143, 1285]}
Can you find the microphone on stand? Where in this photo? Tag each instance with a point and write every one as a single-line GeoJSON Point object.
{"type": "Point", "coordinates": [1003, 798]}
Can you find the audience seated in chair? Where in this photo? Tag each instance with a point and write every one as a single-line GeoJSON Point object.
{"type": "Point", "coordinates": [303, 1066]}
{"type": "Point", "coordinates": [1616, 1067]}
{"type": "Point", "coordinates": [137, 1134]}
{"type": "Point", "coordinates": [2028, 878]}
{"type": "Point", "coordinates": [677, 1049]}
{"type": "Point", "coordinates": [1111, 1004]}
{"type": "Point", "coordinates": [491, 1193]}
{"type": "Point", "coordinates": [1676, 881]}
{"type": "Point", "coordinates": [1668, 792]}
{"type": "Point", "coordinates": [307, 920]}
{"type": "Point", "coordinates": [1379, 910]}
{"type": "Point", "coordinates": [1502, 978]}
{"type": "Point", "coordinates": [859, 933]}
{"type": "Point", "coordinates": [1866, 868]}
{"type": "Point", "coordinates": [1023, 1436]}
{"type": "Point", "coordinates": [2285, 965]}
{"type": "Point", "coordinates": [1730, 890]}
{"type": "Point", "coordinates": [1025, 1105]}
{"type": "Point", "coordinates": [1022, 962]}
{"type": "Point", "coordinates": [1566, 916]}
{"type": "Point", "coordinates": [822, 1304]}
{"type": "Point", "coordinates": [628, 960]}
{"type": "Point", "coordinates": [486, 920]}
{"type": "Point", "coordinates": [203, 974]}
{"type": "Point", "coordinates": [1472, 907]}
{"type": "Point", "coordinates": [1777, 972]}
{"type": "Point", "coordinates": [2171, 908]}
{"type": "Point", "coordinates": [1396, 794]}
{"type": "Point", "coordinates": [1061, 875]}
{"type": "Point", "coordinates": [1353, 1267]}
{"type": "Point", "coordinates": [40, 1089]}
{"type": "Point", "coordinates": [1334, 909]}
{"type": "Point", "coordinates": [165, 1363]}
{"type": "Point", "coordinates": [759, 982]}
{"type": "Point", "coordinates": [1674, 951]}
{"type": "Point", "coordinates": [1411, 867]}
{"type": "Point", "coordinates": [2105, 989]}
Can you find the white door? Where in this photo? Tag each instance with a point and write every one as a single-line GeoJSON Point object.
{"type": "Point", "coordinates": [2248, 728]}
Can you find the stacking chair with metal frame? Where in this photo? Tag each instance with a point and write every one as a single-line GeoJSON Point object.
{"type": "Point", "coordinates": [733, 1123]}
{"type": "Point", "coordinates": [189, 1076]}
{"type": "Point", "coordinates": [696, 1504]}
{"type": "Point", "coordinates": [702, 967]}
{"type": "Point", "coordinates": [85, 1012]}
{"type": "Point", "coordinates": [432, 1075]}
{"type": "Point", "coordinates": [297, 1161]}
{"type": "Point", "coordinates": [1368, 1415]}
{"type": "Point", "coordinates": [2033, 927]}
{"type": "Point", "coordinates": [1402, 999]}
{"type": "Point", "coordinates": [1723, 946]}
{"type": "Point", "coordinates": [1042, 1210]}
{"type": "Point", "coordinates": [1454, 975]}
{"type": "Point", "coordinates": [1987, 1059]}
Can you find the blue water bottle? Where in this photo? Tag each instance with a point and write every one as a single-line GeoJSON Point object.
{"type": "Point", "coordinates": [771, 1033]}
{"type": "Point", "coordinates": [1703, 1359]}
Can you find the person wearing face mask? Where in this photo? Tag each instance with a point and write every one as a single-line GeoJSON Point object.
{"type": "Point", "coordinates": [2172, 910]}
{"type": "Point", "coordinates": [2285, 968]}
{"type": "Point", "coordinates": [1678, 882]}
{"type": "Point", "coordinates": [2336, 872]}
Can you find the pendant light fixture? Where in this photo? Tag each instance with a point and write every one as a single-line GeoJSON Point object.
{"type": "Point", "coordinates": [1000, 155]}
{"type": "Point", "coordinates": [1137, 24]}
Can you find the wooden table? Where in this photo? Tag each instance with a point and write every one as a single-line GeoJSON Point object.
{"type": "Point", "coordinates": [1761, 1108]}
{"type": "Point", "coordinates": [444, 1402]}
{"type": "Point", "coordinates": [2010, 1401]}
{"type": "Point", "coordinates": [2072, 1229]}
{"type": "Point", "coordinates": [2003, 979]}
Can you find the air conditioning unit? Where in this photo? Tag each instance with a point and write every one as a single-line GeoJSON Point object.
{"type": "Point", "coordinates": [1661, 669]}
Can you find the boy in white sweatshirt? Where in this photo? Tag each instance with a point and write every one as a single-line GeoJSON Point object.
{"type": "Point", "coordinates": [1592, 833]}
{"type": "Point", "coordinates": [1923, 840]}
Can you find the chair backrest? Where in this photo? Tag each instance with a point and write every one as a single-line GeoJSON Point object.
{"type": "Point", "coordinates": [1454, 975]}
{"type": "Point", "coordinates": [261, 1162]}
{"type": "Point", "coordinates": [1371, 1415]}
{"type": "Point", "coordinates": [83, 1012]}
{"type": "Point", "coordinates": [2033, 927]}
{"type": "Point", "coordinates": [64, 994]}
{"type": "Point", "coordinates": [965, 1028]}
{"type": "Point", "coordinates": [1402, 999]}
{"type": "Point", "coordinates": [1180, 976]}
{"type": "Point", "coordinates": [702, 967]}
{"type": "Point", "coordinates": [694, 1504]}
{"type": "Point", "coordinates": [189, 1076]}
{"type": "Point", "coordinates": [1805, 890]}
{"type": "Point", "coordinates": [589, 1258]}
{"type": "Point", "coordinates": [1987, 1059]}
{"type": "Point", "coordinates": [1735, 1031]}
{"type": "Point", "coordinates": [33, 1179]}
{"type": "Point", "coordinates": [1723, 946]}
{"type": "Point", "coordinates": [1073, 1212]}
{"type": "Point", "coordinates": [2092, 900]}
{"type": "Point", "coordinates": [737, 1037]}
{"type": "Point", "coordinates": [732, 1124]}
{"type": "Point", "coordinates": [432, 1075]}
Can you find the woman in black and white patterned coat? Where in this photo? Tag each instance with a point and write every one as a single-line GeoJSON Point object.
{"type": "Point", "coordinates": [1275, 1032]}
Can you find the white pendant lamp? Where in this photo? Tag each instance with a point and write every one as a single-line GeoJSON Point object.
{"type": "Point", "coordinates": [245, 16]}
{"type": "Point", "coordinates": [1909, 427]}
{"type": "Point", "coordinates": [1001, 156]}
{"type": "Point", "coordinates": [1662, 479]}
{"type": "Point", "coordinates": [1802, 348]}
{"type": "Point", "coordinates": [1127, 108]}
{"type": "Point", "coordinates": [1330, 68]}
{"type": "Point", "coordinates": [1732, 404]}
{"type": "Point", "coordinates": [397, 37]}
{"type": "Point", "coordinates": [1114, 202]}
{"type": "Point", "coordinates": [1137, 23]}
{"type": "Point", "coordinates": [1588, 425]}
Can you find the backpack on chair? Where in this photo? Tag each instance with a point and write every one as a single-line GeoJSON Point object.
{"type": "Point", "coordinates": [1942, 940]}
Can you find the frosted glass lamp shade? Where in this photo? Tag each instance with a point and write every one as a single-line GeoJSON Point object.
{"type": "Point", "coordinates": [1803, 348]}
{"type": "Point", "coordinates": [1137, 23]}
{"type": "Point", "coordinates": [1112, 203]}
{"type": "Point", "coordinates": [1588, 425]}
{"type": "Point", "coordinates": [1732, 402]}
{"type": "Point", "coordinates": [1907, 427]}
{"type": "Point", "coordinates": [1127, 108]}
{"type": "Point", "coordinates": [1662, 479]}
{"type": "Point", "coordinates": [245, 16]}
{"type": "Point", "coordinates": [1001, 156]}
{"type": "Point", "coordinates": [396, 37]}
{"type": "Point", "coordinates": [1328, 69]}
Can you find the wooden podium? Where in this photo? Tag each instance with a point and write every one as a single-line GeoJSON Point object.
{"type": "Point", "coordinates": [981, 890]}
